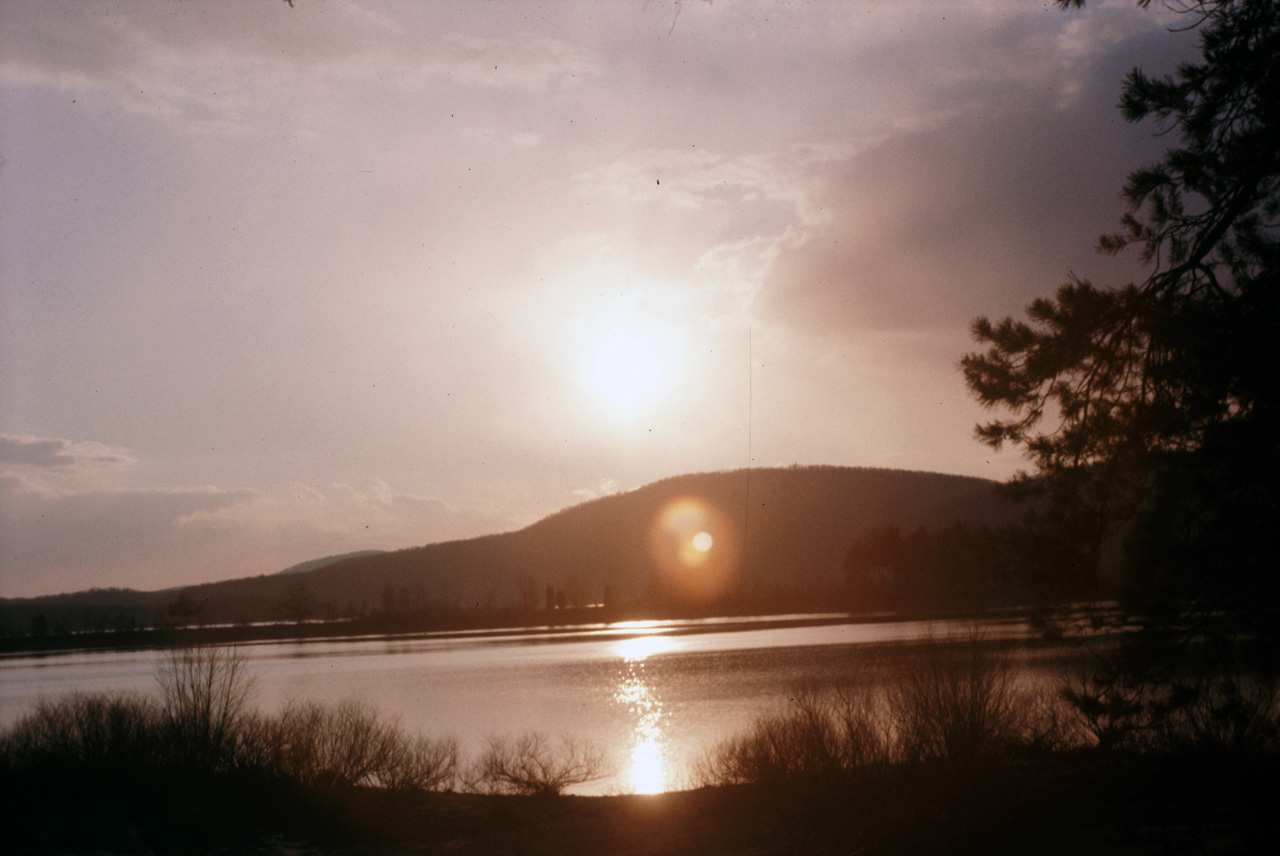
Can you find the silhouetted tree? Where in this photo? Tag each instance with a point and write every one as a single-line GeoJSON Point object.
{"type": "Point", "coordinates": [958, 566]}
{"type": "Point", "coordinates": [1149, 411]}
{"type": "Point", "coordinates": [183, 610]}
{"type": "Point", "coordinates": [574, 591]}
{"type": "Point", "coordinates": [299, 603]}
{"type": "Point", "coordinates": [528, 588]}
{"type": "Point", "coordinates": [872, 566]}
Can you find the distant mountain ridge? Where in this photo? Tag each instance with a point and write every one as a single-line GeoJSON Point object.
{"type": "Point", "coordinates": [787, 527]}
{"type": "Point", "coordinates": [316, 564]}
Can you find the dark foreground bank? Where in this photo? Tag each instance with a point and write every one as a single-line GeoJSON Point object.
{"type": "Point", "coordinates": [1069, 804]}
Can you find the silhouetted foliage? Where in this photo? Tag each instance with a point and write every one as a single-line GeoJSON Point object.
{"type": "Point", "coordinates": [1149, 411]}
{"type": "Point", "coordinates": [299, 603]}
{"type": "Point", "coordinates": [957, 567]}
{"type": "Point", "coordinates": [183, 610]}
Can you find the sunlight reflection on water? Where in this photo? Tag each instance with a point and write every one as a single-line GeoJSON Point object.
{"type": "Point", "coordinates": [647, 773]}
{"type": "Point", "coordinates": [654, 694]}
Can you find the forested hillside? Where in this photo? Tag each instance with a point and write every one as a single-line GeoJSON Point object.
{"type": "Point", "coordinates": [767, 531]}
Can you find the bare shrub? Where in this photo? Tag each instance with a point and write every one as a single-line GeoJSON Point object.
{"type": "Point", "coordinates": [204, 692]}
{"type": "Point", "coordinates": [1228, 716]}
{"type": "Point", "coordinates": [1050, 725]}
{"type": "Point", "coordinates": [351, 745]}
{"type": "Point", "coordinates": [761, 754]}
{"type": "Point", "coordinates": [865, 732]}
{"type": "Point", "coordinates": [819, 732]}
{"type": "Point", "coordinates": [957, 701]}
{"type": "Point", "coordinates": [531, 763]}
{"type": "Point", "coordinates": [202, 726]}
{"type": "Point", "coordinates": [1110, 705]}
{"type": "Point", "coordinates": [421, 764]}
{"type": "Point", "coordinates": [93, 729]}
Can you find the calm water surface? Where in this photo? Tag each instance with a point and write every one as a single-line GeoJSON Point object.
{"type": "Point", "coordinates": [655, 695]}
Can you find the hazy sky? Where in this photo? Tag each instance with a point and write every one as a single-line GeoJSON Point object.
{"type": "Point", "coordinates": [278, 283]}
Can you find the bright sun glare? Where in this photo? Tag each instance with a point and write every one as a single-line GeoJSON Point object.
{"type": "Point", "coordinates": [631, 361]}
{"type": "Point", "coordinates": [629, 371]}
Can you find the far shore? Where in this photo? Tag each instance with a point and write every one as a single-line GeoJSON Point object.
{"type": "Point", "coordinates": [569, 623]}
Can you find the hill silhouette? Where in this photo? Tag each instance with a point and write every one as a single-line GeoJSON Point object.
{"type": "Point", "coordinates": [303, 567]}
{"type": "Point", "coordinates": [769, 530]}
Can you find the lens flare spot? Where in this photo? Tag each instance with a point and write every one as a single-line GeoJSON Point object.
{"type": "Point", "coordinates": [694, 547]}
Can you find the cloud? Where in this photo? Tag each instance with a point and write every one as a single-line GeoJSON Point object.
{"type": "Point", "coordinates": [975, 213]}
{"type": "Point", "coordinates": [41, 452]}
{"type": "Point", "coordinates": [698, 180]}
{"type": "Point", "coordinates": [130, 537]}
{"type": "Point", "coordinates": [70, 520]}
{"type": "Point", "coordinates": [156, 538]}
{"type": "Point", "coordinates": [375, 514]}
{"type": "Point", "coordinates": [607, 487]}
{"type": "Point", "coordinates": [524, 61]}
{"type": "Point", "coordinates": [231, 67]}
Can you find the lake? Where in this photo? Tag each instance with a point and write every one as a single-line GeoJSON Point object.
{"type": "Point", "coordinates": [655, 695]}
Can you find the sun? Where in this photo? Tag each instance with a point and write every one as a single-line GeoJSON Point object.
{"type": "Point", "coordinates": [631, 367]}
{"type": "Point", "coordinates": [627, 370]}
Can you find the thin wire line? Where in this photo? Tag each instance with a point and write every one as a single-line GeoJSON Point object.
{"type": "Point", "coordinates": [746, 500]}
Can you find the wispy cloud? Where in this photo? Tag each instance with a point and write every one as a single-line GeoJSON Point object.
{"type": "Point", "coordinates": [69, 524]}
{"type": "Point", "coordinates": [232, 67]}
{"type": "Point", "coordinates": [57, 453]}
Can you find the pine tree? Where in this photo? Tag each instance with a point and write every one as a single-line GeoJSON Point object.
{"type": "Point", "coordinates": [1148, 410]}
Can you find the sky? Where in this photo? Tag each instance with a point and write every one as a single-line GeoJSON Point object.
{"type": "Point", "coordinates": [280, 282]}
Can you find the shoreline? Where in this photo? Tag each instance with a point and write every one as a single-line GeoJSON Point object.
{"type": "Point", "coordinates": [579, 626]}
